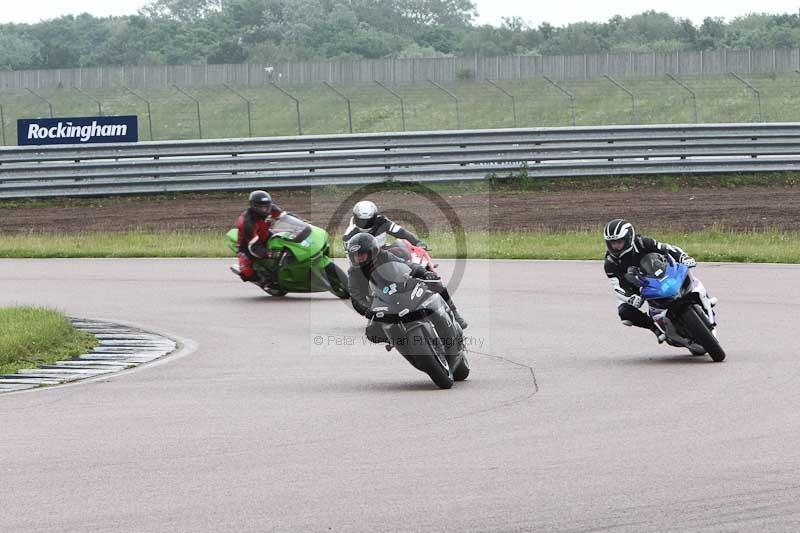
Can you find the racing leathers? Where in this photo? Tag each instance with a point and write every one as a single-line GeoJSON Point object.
{"type": "Point", "coordinates": [254, 232]}
{"type": "Point", "coordinates": [359, 278]}
{"type": "Point", "coordinates": [379, 228]}
{"type": "Point", "coordinates": [627, 293]}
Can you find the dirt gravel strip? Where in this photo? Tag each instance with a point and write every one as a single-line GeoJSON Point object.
{"type": "Point", "coordinates": [744, 208]}
{"type": "Point", "coordinates": [120, 348]}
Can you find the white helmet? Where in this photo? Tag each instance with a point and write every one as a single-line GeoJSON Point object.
{"type": "Point", "coordinates": [364, 213]}
{"type": "Point", "coordinates": [616, 230]}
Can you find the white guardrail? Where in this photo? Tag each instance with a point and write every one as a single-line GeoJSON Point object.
{"type": "Point", "coordinates": [276, 162]}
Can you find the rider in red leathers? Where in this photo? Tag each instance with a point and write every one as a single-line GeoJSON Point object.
{"type": "Point", "coordinates": [254, 232]}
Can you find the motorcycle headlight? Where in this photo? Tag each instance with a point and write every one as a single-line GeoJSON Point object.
{"type": "Point", "coordinates": [669, 287]}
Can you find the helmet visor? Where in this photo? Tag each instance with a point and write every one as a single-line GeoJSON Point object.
{"type": "Point", "coordinates": [617, 247]}
{"type": "Point", "coordinates": [363, 223]}
{"type": "Point", "coordinates": [359, 258]}
{"type": "Point", "coordinates": [263, 209]}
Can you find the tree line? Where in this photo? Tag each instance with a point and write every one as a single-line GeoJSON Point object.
{"type": "Point", "coordinates": [267, 31]}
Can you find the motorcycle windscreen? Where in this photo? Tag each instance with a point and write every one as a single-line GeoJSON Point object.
{"type": "Point", "coordinates": [667, 286]}
{"type": "Point", "coordinates": [390, 277]}
{"type": "Point", "coordinates": [291, 228]}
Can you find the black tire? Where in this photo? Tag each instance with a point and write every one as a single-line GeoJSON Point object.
{"type": "Point", "coordinates": [337, 281]}
{"type": "Point", "coordinates": [700, 333]}
{"type": "Point", "coordinates": [432, 359]}
{"type": "Point", "coordinates": [461, 371]}
{"type": "Point", "coordinates": [276, 292]}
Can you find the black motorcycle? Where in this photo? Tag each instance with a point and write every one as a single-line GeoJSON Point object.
{"type": "Point", "coordinates": [409, 316]}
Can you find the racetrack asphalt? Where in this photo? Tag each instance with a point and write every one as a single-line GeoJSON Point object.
{"type": "Point", "coordinates": [278, 415]}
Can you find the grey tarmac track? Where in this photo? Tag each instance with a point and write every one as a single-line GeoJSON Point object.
{"type": "Point", "coordinates": [274, 420]}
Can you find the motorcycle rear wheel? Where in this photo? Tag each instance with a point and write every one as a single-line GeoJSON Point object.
{"type": "Point", "coordinates": [276, 292]}
{"type": "Point", "coordinates": [337, 281]}
{"type": "Point", "coordinates": [461, 372]}
{"type": "Point", "coordinates": [702, 335]}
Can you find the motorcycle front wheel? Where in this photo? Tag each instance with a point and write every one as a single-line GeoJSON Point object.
{"type": "Point", "coordinates": [702, 335]}
{"type": "Point", "coordinates": [431, 358]}
{"type": "Point", "coordinates": [337, 281]}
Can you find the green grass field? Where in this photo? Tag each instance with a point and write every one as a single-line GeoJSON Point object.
{"type": "Point", "coordinates": [223, 114]}
{"type": "Point", "coordinates": [718, 245]}
{"type": "Point", "coordinates": [32, 336]}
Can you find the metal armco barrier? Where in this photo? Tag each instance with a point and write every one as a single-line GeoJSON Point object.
{"type": "Point", "coordinates": [231, 164]}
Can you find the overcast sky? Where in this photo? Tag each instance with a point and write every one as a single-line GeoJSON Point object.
{"type": "Point", "coordinates": [557, 13]}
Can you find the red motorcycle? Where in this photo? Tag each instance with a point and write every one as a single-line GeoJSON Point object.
{"type": "Point", "coordinates": [410, 253]}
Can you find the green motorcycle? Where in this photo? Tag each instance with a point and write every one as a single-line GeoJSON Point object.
{"type": "Point", "coordinates": [301, 259]}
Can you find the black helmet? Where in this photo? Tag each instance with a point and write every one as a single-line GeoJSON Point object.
{"type": "Point", "coordinates": [619, 230]}
{"type": "Point", "coordinates": [362, 250]}
{"type": "Point", "coordinates": [261, 203]}
{"type": "Point", "coordinates": [364, 214]}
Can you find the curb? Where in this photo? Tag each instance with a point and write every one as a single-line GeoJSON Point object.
{"type": "Point", "coordinates": [121, 348]}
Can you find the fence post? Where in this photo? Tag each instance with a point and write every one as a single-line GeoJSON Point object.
{"type": "Point", "coordinates": [567, 93]}
{"type": "Point", "coordinates": [42, 98]}
{"type": "Point", "coordinates": [633, 97]}
{"type": "Point", "coordinates": [247, 103]}
{"type": "Point", "coordinates": [513, 100]}
{"type": "Point", "coordinates": [756, 91]}
{"type": "Point", "coordinates": [455, 98]}
{"type": "Point", "coordinates": [197, 107]}
{"type": "Point", "coordinates": [402, 105]}
{"type": "Point", "coordinates": [3, 123]}
{"type": "Point", "coordinates": [347, 100]}
{"type": "Point", "coordinates": [99, 106]}
{"type": "Point", "coordinates": [296, 106]}
{"type": "Point", "coordinates": [691, 92]}
{"type": "Point", "coordinates": [147, 103]}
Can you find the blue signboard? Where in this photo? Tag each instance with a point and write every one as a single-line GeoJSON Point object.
{"type": "Point", "coordinates": [77, 130]}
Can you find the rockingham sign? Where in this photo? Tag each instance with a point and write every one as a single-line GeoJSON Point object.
{"type": "Point", "coordinates": [77, 130]}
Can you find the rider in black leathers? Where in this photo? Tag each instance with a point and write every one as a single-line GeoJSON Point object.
{"type": "Point", "coordinates": [624, 250]}
{"type": "Point", "coordinates": [365, 257]}
{"type": "Point", "coordinates": [367, 219]}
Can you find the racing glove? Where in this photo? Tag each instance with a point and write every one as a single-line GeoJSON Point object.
{"type": "Point", "coordinates": [424, 245]}
{"type": "Point", "coordinates": [636, 301]}
{"type": "Point", "coordinates": [688, 260]}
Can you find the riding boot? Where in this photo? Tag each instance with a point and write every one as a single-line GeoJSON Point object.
{"type": "Point", "coordinates": [633, 317]}
{"type": "Point", "coordinates": [446, 296]}
{"type": "Point", "coordinates": [660, 335]}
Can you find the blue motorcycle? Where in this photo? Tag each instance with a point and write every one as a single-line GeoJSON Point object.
{"type": "Point", "coordinates": [679, 304]}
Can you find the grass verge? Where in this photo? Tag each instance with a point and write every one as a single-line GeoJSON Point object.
{"type": "Point", "coordinates": [223, 114]}
{"type": "Point", "coordinates": [32, 336]}
{"type": "Point", "coordinates": [714, 245]}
